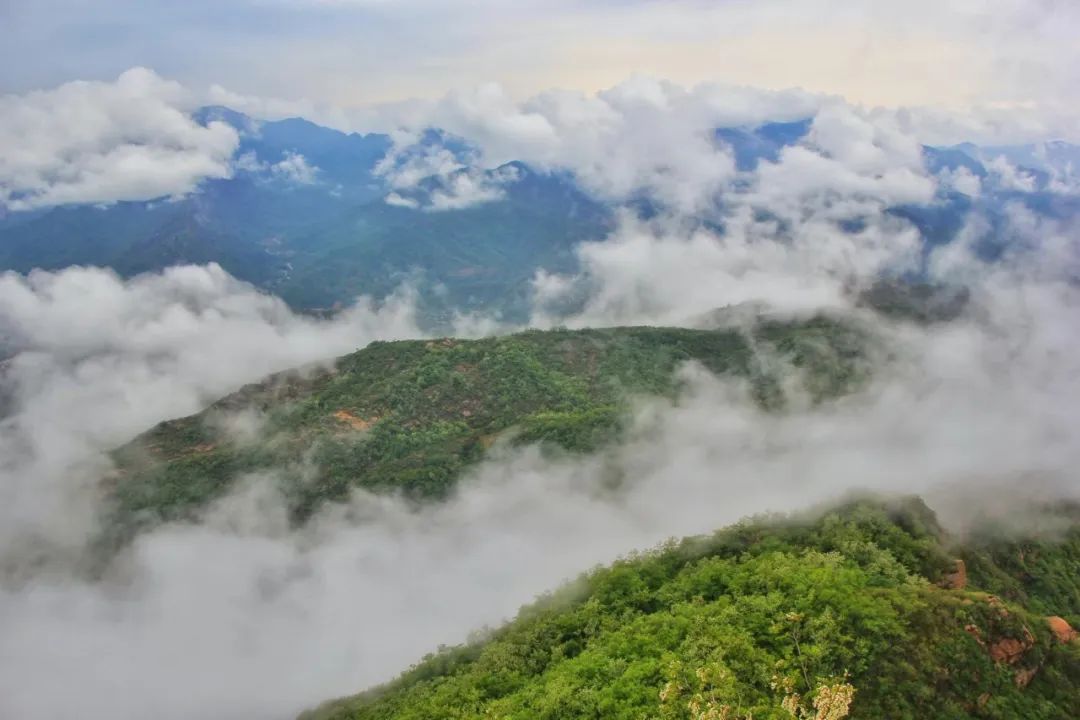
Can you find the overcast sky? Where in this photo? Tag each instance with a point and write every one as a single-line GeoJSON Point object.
{"type": "Point", "coordinates": [359, 52]}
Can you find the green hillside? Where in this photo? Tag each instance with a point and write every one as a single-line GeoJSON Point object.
{"type": "Point", "coordinates": [862, 613]}
{"type": "Point", "coordinates": [477, 258]}
{"type": "Point", "coordinates": [410, 416]}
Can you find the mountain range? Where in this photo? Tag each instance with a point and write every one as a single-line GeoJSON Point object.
{"type": "Point", "coordinates": [867, 610]}
{"type": "Point", "coordinates": [312, 215]}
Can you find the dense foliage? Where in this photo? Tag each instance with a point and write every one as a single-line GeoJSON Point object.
{"type": "Point", "coordinates": [843, 616]}
{"type": "Point", "coordinates": [410, 416]}
{"type": "Point", "coordinates": [1039, 568]}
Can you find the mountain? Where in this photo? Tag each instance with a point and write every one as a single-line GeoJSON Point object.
{"type": "Point", "coordinates": [409, 417]}
{"type": "Point", "coordinates": [478, 257]}
{"type": "Point", "coordinates": [305, 217]}
{"type": "Point", "coordinates": [311, 216]}
{"type": "Point", "coordinates": [752, 145]}
{"type": "Point", "coordinates": [868, 611]}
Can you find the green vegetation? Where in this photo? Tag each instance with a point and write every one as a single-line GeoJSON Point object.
{"type": "Point", "coordinates": [318, 249]}
{"type": "Point", "coordinates": [857, 614]}
{"type": "Point", "coordinates": [1040, 570]}
{"type": "Point", "coordinates": [410, 416]}
{"type": "Point", "coordinates": [479, 258]}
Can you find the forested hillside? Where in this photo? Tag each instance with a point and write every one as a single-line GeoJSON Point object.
{"type": "Point", "coordinates": [410, 416]}
{"type": "Point", "coordinates": [871, 611]}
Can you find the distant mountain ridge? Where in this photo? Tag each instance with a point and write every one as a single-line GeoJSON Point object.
{"type": "Point", "coordinates": [410, 417]}
{"type": "Point", "coordinates": [311, 216]}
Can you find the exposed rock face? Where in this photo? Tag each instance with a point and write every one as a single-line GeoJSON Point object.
{"type": "Point", "coordinates": [356, 423]}
{"type": "Point", "coordinates": [1061, 629]}
{"type": "Point", "coordinates": [957, 579]}
{"type": "Point", "coordinates": [1024, 677]}
{"type": "Point", "coordinates": [1007, 650]}
{"type": "Point", "coordinates": [1010, 650]}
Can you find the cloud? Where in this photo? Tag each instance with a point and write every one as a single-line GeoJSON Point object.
{"type": "Point", "coordinates": [238, 615]}
{"type": "Point", "coordinates": [799, 232]}
{"type": "Point", "coordinates": [347, 54]}
{"type": "Point", "coordinates": [281, 620]}
{"type": "Point", "coordinates": [642, 135]}
{"type": "Point", "coordinates": [464, 189]}
{"type": "Point", "coordinates": [962, 180]}
{"type": "Point", "coordinates": [270, 107]}
{"type": "Point", "coordinates": [293, 168]}
{"type": "Point", "coordinates": [401, 201]}
{"type": "Point", "coordinates": [660, 273]}
{"type": "Point", "coordinates": [850, 154]}
{"type": "Point", "coordinates": [97, 360]}
{"type": "Point", "coordinates": [648, 138]}
{"type": "Point", "coordinates": [103, 142]}
{"type": "Point", "coordinates": [1009, 177]}
{"type": "Point", "coordinates": [424, 173]}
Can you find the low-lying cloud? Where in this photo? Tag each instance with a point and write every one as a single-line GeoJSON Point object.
{"type": "Point", "coordinates": [101, 142]}
{"type": "Point", "coordinates": [97, 360]}
{"type": "Point", "coordinates": [237, 616]}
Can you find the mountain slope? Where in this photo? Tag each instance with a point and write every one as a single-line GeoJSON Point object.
{"type": "Point", "coordinates": [478, 257]}
{"type": "Point", "coordinates": [320, 238]}
{"type": "Point", "coordinates": [410, 416]}
{"type": "Point", "coordinates": [862, 613]}
{"type": "Point", "coordinates": [305, 215]}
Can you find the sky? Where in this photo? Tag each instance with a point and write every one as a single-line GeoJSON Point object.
{"type": "Point", "coordinates": [355, 53]}
{"type": "Point", "coordinates": [557, 84]}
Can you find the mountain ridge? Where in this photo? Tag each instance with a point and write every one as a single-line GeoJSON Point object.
{"type": "Point", "coordinates": [411, 417]}
{"type": "Point", "coordinates": [868, 610]}
{"type": "Point", "coordinates": [306, 216]}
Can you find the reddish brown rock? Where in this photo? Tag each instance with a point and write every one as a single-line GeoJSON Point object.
{"type": "Point", "coordinates": [1061, 629]}
{"type": "Point", "coordinates": [973, 631]}
{"type": "Point", "coordinates": [957, 579]}
{"type": "Point", "coordinates": [356, 423]}
{"type": "Point", "coordinates": [1010, 650]}
{"type": "Point", "coordinates": [1023, 677]}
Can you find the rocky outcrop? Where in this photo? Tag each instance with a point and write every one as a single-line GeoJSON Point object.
{"type": "Point", "coordinates": [957, 579]}
{"type": "Point", "coordinates": [1011, 650]}
{"type": "Point", "coordinates": [1061, 629]}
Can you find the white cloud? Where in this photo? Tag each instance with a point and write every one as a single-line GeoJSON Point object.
{"type": "Point", "coordinates": [289, 619]}
{"type": "Point", "coordinates": [798, 233]}
{"type": "Point", "coordinates": [662, 273]}
{"type": "Point", "coordinates": [409, 162]}
{"type": "Point", "coordinates": [400, 201]}
{"type": "Point", "coordinates": [274, 108]}
{"type": "Point", "coordinates": [1010, 177]}
{"type": "Point", "coordinates": [464, 189]}
{"type": "Point", "coordinates": [874, 52]}
{"type": "Point", "coordinates": [280, 620]}
{"type": "Point", "coordinates": [653, 138]}
{"type": "Point", "coordinates": [438, 178]}
{"type": "Point", "coordinates": [643, 135]}
{"type": "Point", "coordinates": [962, 180]}
{"type": "Point", "coordinates": [292, 618]}
{"type": "Point", "coordinates": [102, 359]}
{"type": "Point", "coordinates": [295, 168]}
{"type": "Point", "coordinates": [96, 142]}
